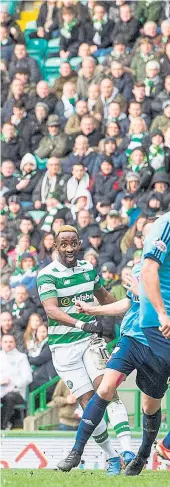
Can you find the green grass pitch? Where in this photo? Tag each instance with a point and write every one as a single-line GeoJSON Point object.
{"type": "Point", "coordinates": [49, 478]}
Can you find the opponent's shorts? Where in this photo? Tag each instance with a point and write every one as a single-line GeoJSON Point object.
{"type": "Point", "coordinates": [159, 345]}
{"type": "Point", "coordinates": [129, 355]}
{"type": "Point", "coordinates": [80, 363]}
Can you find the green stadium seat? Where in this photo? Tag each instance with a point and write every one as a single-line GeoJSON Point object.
{"type": "Point", "coordinates": [50, 78]}
{"type": "Point", "coordinates": [51, 70]}
{"type": "Point", "coordinates": [37, 46]}
{"type": "Point", "coordinates": [75, 61]}
{"type": "Point", "coordinates": [53, 63]}
{"type": "Point", "coordinates": [32, 25]}
{"type": "Point", "coordinates": [53, 46]}
{"type": "Point", "coordinates": [39, 60]}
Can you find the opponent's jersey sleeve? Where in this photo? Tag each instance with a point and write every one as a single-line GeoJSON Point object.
{"type": "Point", "coordinates": [46, 286]}
{"type": "Point", "coordinates": [97, 282]}
{"type": "Point", "coordinates": [157, 244]}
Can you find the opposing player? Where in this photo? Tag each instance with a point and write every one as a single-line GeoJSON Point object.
{"type": "Point", "coordinates": [155, 313]}
{"type": "Point", "coordinates": [163, 447]}
{"type": "Point", "coordinates": [132, 352]}
{"type": "Point", "coordinates": [77, 357]}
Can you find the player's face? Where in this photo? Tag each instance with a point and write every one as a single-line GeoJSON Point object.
{"type": "Point", "coordinates": [68, 246]}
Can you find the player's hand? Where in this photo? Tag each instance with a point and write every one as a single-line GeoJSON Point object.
{"type": "Point", "coordinates": [132, 284]}
{"type": "Point", "coordinates": [93, 328]}
{"type": "Point", "coordinates": [165, 324]}
{"type": "Point", "coordinates": [82, 307]}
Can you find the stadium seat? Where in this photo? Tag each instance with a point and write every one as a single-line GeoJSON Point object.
{"type": "Point", "coordinates": [53, 47]}
{"type": "Point", "coordinates": [75, 61]}
{"type": "Point", "coordinates": [37, 46]}
{"type": "Point", "coordinates": [39, 60]}
{"type": "Point", "coordinates": [31, 25]}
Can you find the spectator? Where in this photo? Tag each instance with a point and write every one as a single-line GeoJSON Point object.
{"type": "Point", "coordinates": [27, 181]}
{"type": "Point", "coordinates": [34, 129]}
{"type": "Point", "coordinates": [55, 143]}
{"type": "Point", "coordinates": [90, 73]}
{"type": "Point", "coordinates": [66, 106]}
{"type": "Point", "coordinates": [127, 27]}
{"type": "Point", "coordinates": [162, 122]}
{"type": "Point", "coordinates": [7, 268]}
{"type": "Point", "coordinates": [21, 59]}
{"type": "Point", "coordinates": [6, 323]}
{"type": "Point", "coordinates": [114, 232]}
{"type": "Point", "coordinates": [9, 21]}
{"type": "Point", "coordinates": [73, 122]}
{"type": "Point", "coordinates": [16, 93]}
{"type": "Point", "coordinates": [127, 240]}
{"type": "Point", "coordinates": [69, 34]}
{"type": "Point", "coordinates": [78, 182]}
{"type": "Point", "coordinates": [153, 81]}
{"type": "Point", "coordinates": [91, 256]}
{"type": "Point", "coordinates": [30, 340]}
{"type": "Point", "coordinates": [104, 182]}
{"type": "Point", "coordinates": [83, 222]}
{"type": "Point", "coordinates": [161, 97]}
{"type": "Point", "coordinates": [15, 376]}
{"type": "Point", "coordinates": [5, 80]}
{"type": "Point", "coordinates": [6, 296]}
{"type": "Point", "coordinates": [21, 309]}
{"type": "Point", "coordinates": [7, 46]}
{"type": "Point", "coordinates": [46, 248]}
{"type": "Point", "coordinates": [42, 361]}
{"type": "Point", "coordinates": [27, 227]}
{"type": "Point", "coordinates": [81, 153]}
{"type": "Point", "coordinates": [109, 276]}
{"type": "Point", "coordinates": [141, 58]}
{"type": "Point", "coordinates": [9, 173]}
{"type": "Point", "coordinates": [145, 11]}
{"type": "Point", "coordinates": [119, 289]}
{"type": "Point", "coordinates": [51, 184]}
{"type": "Point", "coordinates": [25, 273]}
{"type": "Point", "coordinates": [67, 408]}
{"type": "Point", "coordinates": [66, 74]}
{"type": "Point", "coordinates": [122, 80]}
{"type": "Point", "coordinates": [47, 22]}
{"type": "Point", "coordinates": [43, 94]}
{"type": "Point", "coordinates": [10, 146]}
{"type": "Point", "coordinates": [165, 61]}
{"type": "Point", "coordinates": [24, 245]}
{"type": "Point", "coordinates": [88, 130]}
{"type": "Point", "coordinates": [97, 30]}
{"type": "Point", "coordinates": [23, 74]}
{"type": "Point", "coordinates": [156, 152]}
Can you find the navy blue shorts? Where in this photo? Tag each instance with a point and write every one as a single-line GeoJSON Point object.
{"type": "Point", "coordinates": [152, 375]}
{"type": "Point", "coordinates": [159, 345]}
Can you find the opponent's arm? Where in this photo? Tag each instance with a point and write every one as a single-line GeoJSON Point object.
{"type": "Point", "coordinates": [103, 296]}
{"type": "Point", "coordinates": [151, 283]}
{"type": "Point", "coordinates": [113, 309]}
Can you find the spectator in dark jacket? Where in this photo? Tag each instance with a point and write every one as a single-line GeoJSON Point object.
{"type": "Point", "coordinates": [43, 95]}
{"type": "Point", "coordinates": [114, 233]}
{"type": "Point", "coordinates": [66, 74]}
{"type": "Point", "coordinates": [97, 31]}
{"type": "Point", "coordinates": [27, 227]}
{"type": "Point", "coordinates": [88, 129]}
{"type": "Point", "coordinates": [35, 128]}
{"type": "Point", "coordinates": [128, 26]}
{"type": "Point", "coordinates": [4, 80]}
{"type": "Point", "coordinates": [46, 248]}
{"type": "Point", "coordinates": [10, 148]}
{"type": "Point", "coordinates": [105, 182]}
{"type": "Point", "coordinates": [69, 34]}
{"type": "Point", "coordinates": [81, 154]}
{"type": "Point", "coordinates": [21, 59]}
{"type": "Point", "coordinates": [165, 61]}
{"type": "Point", "coordinates": [42, 362]}
{"type": "Point", "coordinates": [21, 309]}
{"type": "Point", "coordinates": [47, 22]}
{"type": "Point", "coordinates": [162, 96]}
{"type": "Point", "coordinates": [7, 46]}
{"type": "Point", "coordinates": [16, 93]}
{"type": "Point", "coordinates": [9, 173]}
{"type": "Point", "coordinates": [27, 181]}
{"type": "Point", "coordinates": [122, 80]}
{"type": "Point", "coordinates": [9, 21]}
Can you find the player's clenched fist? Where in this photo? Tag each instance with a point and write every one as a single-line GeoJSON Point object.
{"type": "Point", "coordinates": [82, 307]}
{"type": "Point", "coordinates": [165, 325]}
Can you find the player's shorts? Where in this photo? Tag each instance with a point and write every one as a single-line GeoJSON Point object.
{"type": "Point", "coordinates": [76, 364]}
{"type": "Point", "coordinates": [130, 355]}
{"type": "Point", "coordinates": [159, 345]}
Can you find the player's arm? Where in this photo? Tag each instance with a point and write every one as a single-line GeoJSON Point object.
{"type": "Point", "coordinates": [55, 313]}
{"type": "Point", "coordinates": [113, 309]}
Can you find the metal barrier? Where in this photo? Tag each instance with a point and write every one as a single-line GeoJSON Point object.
{"type": "Point", "coordinates": [41, 392]}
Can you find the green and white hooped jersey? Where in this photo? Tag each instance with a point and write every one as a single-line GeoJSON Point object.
{"type": "Point", "coordinates": [68, 285]}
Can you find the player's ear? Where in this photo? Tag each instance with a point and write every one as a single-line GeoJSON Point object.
{"type": "Point", "coordinates": [80, 243]}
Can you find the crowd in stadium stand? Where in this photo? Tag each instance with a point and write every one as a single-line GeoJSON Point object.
{"type": "Point", "coordinates": [88, 147]}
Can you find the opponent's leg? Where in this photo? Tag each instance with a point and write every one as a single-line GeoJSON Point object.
{"type": "Point", "coordinates": [151, 424]}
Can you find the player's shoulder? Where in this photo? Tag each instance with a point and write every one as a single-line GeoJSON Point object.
{"type": "Point", "coordinates": [85, 265]}
{"type": "Point", "coordinates": [47, 269]}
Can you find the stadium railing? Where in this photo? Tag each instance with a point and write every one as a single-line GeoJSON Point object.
{"type": "Point", "coordinates": [41, 391]}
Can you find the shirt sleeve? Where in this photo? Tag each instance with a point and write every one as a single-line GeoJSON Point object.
{"type": "Point", "coordinates": [157, 246]}
{"type": "Point", "coordinates": [46, 287]}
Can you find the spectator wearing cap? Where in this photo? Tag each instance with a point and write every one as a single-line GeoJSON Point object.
{"type": "Point", "coordinates": [119, 52]}
{"type": "Point", "coordinates": [16, 93]}
{"type": "Point", "coordinates": [153, 81]}
{"type": "Point", "coordinates": [7, 45]}
{"type": "Point", "coordinates": [35, 128]}
{"type": "Point", "coordinates": [27, 181]}
{"type": "Point", "coordinates": [114, 233]}
{"type": "Point", "coordinates": [10, 144]}
{"type": "Point", "coordinates": [25, 273]}
{"type": "Point", "coordinates": [105, 182]}
{"type": "Point", "coordinates": [43, 94]}
{"type": "Point", "coordinates": [89, 73]}
{"type": "Point", "coordinates": [21, 59]}
{"type": "Point", "coordinates": [97, 31]}
{"type": "Point", "coordinates": [52, 184]}
{"type": "Point", "coordinates": [9, 21]}
{"type": "Point", "coordinates": [156, 151]}
{"type": "Point", "coordinates": [15, 211]}
{"type": "Point", "coordinates": [142, 57]}
{"type": "Point", "coordinates": [66, 74]}
{"type": "Point", "coordinates": [130, 184]}
{"type": "Point", "coordinates": [47, 21]}
{"type": "Point", "coordinates": [73, 122]}
{"type": "Point", "coordinates": [129, 210]}
{"type": "Point", "coordinates": [7, 267]}
{"type": "Point", "coordinates": [122, 80]}
{"type": "Point", "coordinates": [162, 122]}
{"type": "Point", "coordinates": [109, 276]}
{"type": "Point", "coordinates": [127, 27]}
{"type": "Point", "coordinates": [78, 182]}
{"type": "Point", "coordinates": [165, 61]}
{"type": "Point", "coordinates": [55, 143]}
{"type": "Point", "coordinates": [162, 97]}
{"type": "Point", "coordinates": [65, 107]}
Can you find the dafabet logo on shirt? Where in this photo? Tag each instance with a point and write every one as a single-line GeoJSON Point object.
{"type": "Point", "coordinates": [71, 301]}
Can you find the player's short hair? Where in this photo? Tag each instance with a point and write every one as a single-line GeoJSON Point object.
{"type": "Point", "coordinates": [67, 228]}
